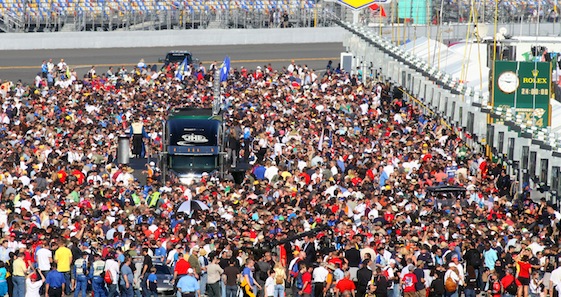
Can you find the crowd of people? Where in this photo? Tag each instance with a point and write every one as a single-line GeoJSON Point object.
{"type": "Point", "coordinates": [339, 199]}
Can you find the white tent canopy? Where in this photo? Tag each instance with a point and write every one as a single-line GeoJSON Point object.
{"type": "Point", "coordinates": [463, 62]}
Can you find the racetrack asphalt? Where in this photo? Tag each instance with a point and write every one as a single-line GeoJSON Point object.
{"type": "Point", "coordinates": [24, 64]}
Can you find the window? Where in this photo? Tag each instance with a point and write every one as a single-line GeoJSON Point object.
{"type": "Point", "coordinates": [501, 142]}
{"type": "Point", "coordinates": [491, 136]}
{"type": "Point", "coordinates": [555, 186]}
{"type": "Point", "coordinates": [532, 163]}
{"type": "Point", "coordinates": [510, 152]}
{"type": "Point", "coordinates": [445, 105]}
{"type": "Point", "coordinates": [544, 164]}
{"type": "Point", "coordinates": [409, 82]}
{"type": "Point", "coordinates": [525, 155]}
{"type": "Point", "coordinates": [187, 163]}
{"type": "Point", "coordinates": [403, 76]}
{"type": "Point", "coordinates": [470, 122]}
{"type": "Point", "coordinates": [453, 109]}
{"type": "Point", "coordinates": [461, 116]}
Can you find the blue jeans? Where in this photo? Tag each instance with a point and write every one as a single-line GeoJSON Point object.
{"type": "Point", "coordinates": [67, 289]}
{"type": "Point", "coordinates": [231, 291]}
{"type": "Point", "coordinates": [469, 292]}
{"type": "Point", "coordinates": [112, 290]}
{"type": "Point", "coordinates": [145, 291]}
{"type": "Point", "coordinates": [202, 281]}
{"type": "Point", "coordinates": [222, 289]}
{"type": "Point", "coordinates": [279, 290]}
{"type": "Point", "coordinates": [127, 292]}
{"type": "Point", "coordinates": [19, 286]}
{"type": "Point", "coordinates": [81, 285]}
{"type": "Point", "coordinates": [98, 287]}
{"type": "Point", "coordinates": [453, 294]}
{"type": "Point", "coordinates": [396, 290]}
{"type": "Point", "coordinates": [152, 293]}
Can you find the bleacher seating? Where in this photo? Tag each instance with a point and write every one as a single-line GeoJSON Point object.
{"type": "Point", "coordinates": [92, 13]}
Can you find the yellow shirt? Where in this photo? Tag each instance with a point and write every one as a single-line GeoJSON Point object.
{"type": "Point", "coordinates": [19, 267]}
{"type": "Point", "coordinates": [63, 258]}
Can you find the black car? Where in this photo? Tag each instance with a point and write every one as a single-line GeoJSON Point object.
{"type": "Point", "coordinates": [178, 57]}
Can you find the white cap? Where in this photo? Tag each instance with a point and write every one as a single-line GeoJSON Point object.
{"type": "Point", "coordinates": [190, 270]}
{"type": "Point", "coordinates": [152, 163]}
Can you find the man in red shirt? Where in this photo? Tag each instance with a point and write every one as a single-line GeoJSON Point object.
{"type": "Point", "coordinates": [181, 267]}
{"type": "Point", "coordinates": [345, 285]}
{"type": "Point", "coordinates": [408, 282]}
{"type": "Point", "coordinates": [306, 281]}
{"type": "Point", "coordinates": [507, 280]}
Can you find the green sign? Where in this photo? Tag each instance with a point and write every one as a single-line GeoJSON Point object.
{"type": "Point", "coordinates": [525, 86]}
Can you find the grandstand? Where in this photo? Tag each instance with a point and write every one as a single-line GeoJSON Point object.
{"type": "Point", "coordinates": [108, 15]}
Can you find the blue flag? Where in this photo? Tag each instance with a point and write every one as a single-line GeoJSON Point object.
{"type": "Point", "coordinates": [182, 68]}
{"type": "Point", "coordinates": [225, 69]}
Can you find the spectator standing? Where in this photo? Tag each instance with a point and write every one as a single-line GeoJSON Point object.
{"type": "Point", "coordinates": [33, 284]}
{"type": "Point", "coordinates": [146, 268]}
{"type": "Point", "coordinates": [409, 281]}
{"type": "Point", "coordinates": [82, 270]}
{"type": "Point", "coordinates": [214, 272]}
{"type": "Point", "coordinates": [127, 278]}
{"type": "Point", "coordinates": [364, 276]}
{"type": "Point", "coordinates": [188, 285]}
{"type": "Point", "coordinates": [19, 273]}
{"type": "Point", "coordinates": [97, 269]}
{"type": "Point", "coordinates": [63, 259]}
{"type": "Point", "coordinates": [112, 267]}
{"type": "Point", "coordinates": [152, 283]}
{"type": "Point", "coordinates": [55, 283]}
{"type": "Point", "coordinates": [232, 274]}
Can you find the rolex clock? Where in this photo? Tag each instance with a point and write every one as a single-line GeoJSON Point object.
{"type": "Point", "coordinates": [508, 82]}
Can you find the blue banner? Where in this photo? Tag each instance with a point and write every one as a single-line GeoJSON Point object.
{"type": "Point", "coordinates": [225, 69]}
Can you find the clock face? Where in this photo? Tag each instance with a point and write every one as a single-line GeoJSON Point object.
{"type": "Point", "coordinates": [508, 82]}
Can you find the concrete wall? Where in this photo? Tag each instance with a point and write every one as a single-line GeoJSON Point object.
{"type": "Point", "coordinates": [122, 39]}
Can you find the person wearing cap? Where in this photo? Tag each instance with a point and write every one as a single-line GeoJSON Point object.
{"type": "Point", "coordinates": [409, 281]}
{"type": "Point", "coordinates": [188, 285]}
{"type": "Point", "coordinates": [33, 284]}
{"type": "Point", "coordinates": [363, 275]}
{"type": "Point", "coordinates": [19, 270]}
{"type": "Point", "coordinates": [82, 275]}
{"type": "Point", "coordinates": [55, 282]}
{"type": "Point", "coordinates": [96, 270]}
{"type": "Point", "coordinates": [203, 276]}
{"type": "Point", "coordinates": [420, 274]}
{"type": "Point", "coordinates": [112, 267]}
{"type": "Point", "coordinates": [194, 260]}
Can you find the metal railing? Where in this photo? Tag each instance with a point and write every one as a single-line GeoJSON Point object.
{"type": "Point", "coordinates": [109, 15]}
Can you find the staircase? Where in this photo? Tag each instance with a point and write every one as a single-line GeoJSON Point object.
{"type": "Point", "coordinates": [10, 22]}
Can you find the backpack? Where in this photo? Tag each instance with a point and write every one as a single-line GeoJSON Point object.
{"type": "Point", "coordinates": [512, 289]}
{"type": "Point", "coordinates": [450, 285]}
{"type": "Point", "coordinates": [279, 279]}
{"type": "Point", "coordinates": [298, 281]}
{"type": "Point", "coordinates": [107, 277]}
